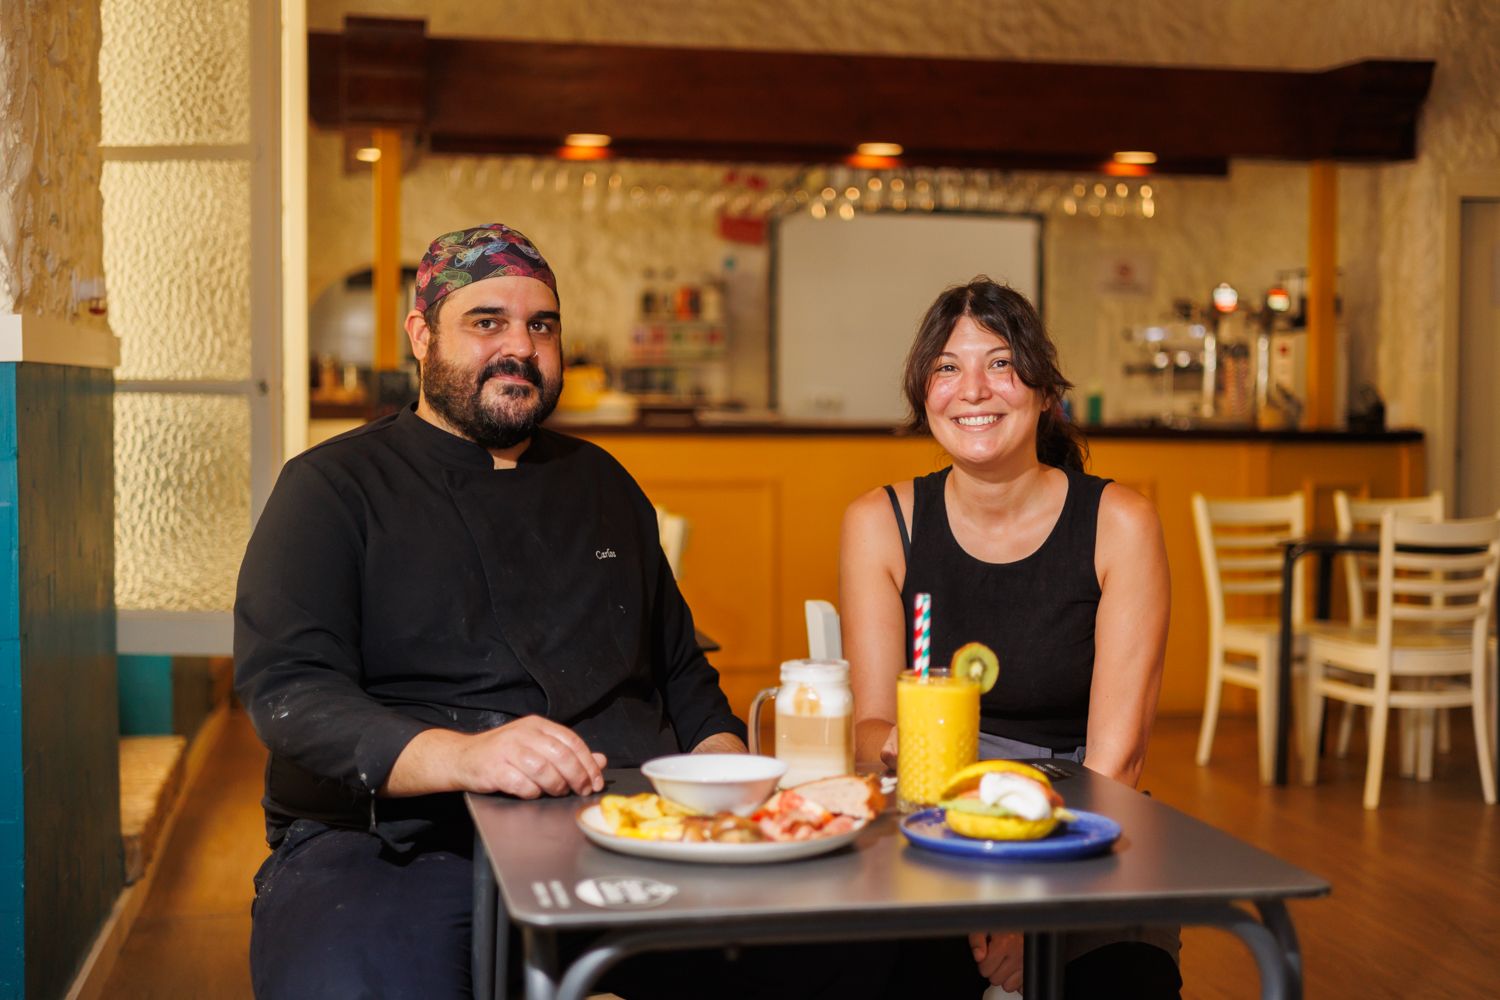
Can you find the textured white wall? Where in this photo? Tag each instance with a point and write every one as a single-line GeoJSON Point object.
{"type": "Point", "coordinates": [50, 208]}
{"type": "Point", "coordinates": [1242, 229]}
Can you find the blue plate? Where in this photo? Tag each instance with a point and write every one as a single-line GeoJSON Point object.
{"type": "Point", "coordinates": [1087, 835]}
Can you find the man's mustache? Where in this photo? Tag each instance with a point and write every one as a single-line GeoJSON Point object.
{"type": "Point", "coordinates": [513, 367]}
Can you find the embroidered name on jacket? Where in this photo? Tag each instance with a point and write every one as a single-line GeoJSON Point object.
{"type": "Point", "coordinates": [604, 554]}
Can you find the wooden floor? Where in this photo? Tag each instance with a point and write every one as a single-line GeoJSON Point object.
{"type": "Point", "coordinates": [192, 938]}
{"type": "Point", "coordinates": [1415, 910]}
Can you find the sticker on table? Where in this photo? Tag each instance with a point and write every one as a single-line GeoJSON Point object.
{"type": "Point", "coordinates": [624, 892]}
{"type": "Point", "coordinates": [549, 894]}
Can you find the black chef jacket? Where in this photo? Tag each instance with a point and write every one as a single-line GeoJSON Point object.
{"type": "Point", "coordinates": [397, 581]}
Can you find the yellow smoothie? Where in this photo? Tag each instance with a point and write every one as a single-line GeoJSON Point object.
{"type": "Point", "coordinates": [937, 724]}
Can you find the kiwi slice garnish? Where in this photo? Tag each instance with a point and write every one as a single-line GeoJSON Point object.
{"type": "Point", "coordinates": [977, 662]}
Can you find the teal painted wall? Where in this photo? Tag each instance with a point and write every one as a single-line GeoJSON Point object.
{"type": "Point", "coordinates": [57, 478]}
{"type": "Point", "coordinates": [145, 684]}
{"type": "Point", "coordinates": [12, 793]}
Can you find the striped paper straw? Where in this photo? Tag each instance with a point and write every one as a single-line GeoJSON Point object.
{"type": "Point", "coordinates": [921, 634]}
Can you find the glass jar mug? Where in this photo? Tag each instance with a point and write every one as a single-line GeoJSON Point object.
{"type": "Point", "coordinates": [814, 720]}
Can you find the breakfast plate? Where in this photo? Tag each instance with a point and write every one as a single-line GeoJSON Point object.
{"type": "Point", "coordinates": [1086, 835]}
{"type": "Point", "coordinates": [591, 821]}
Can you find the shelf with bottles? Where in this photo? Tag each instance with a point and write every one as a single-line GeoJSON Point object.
{"type": "Point", "coordinates": [679, 321]}
{"type": "Point", "coordinates": [657, 341]}
{"type": "Point", "coordinates": [695, 382]}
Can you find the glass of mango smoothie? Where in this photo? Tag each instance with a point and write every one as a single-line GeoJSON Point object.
{"type": "Point", "coordinates": [937, 721]}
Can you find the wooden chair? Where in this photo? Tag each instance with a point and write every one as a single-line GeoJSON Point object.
{"type": "Point", "coordinates": [1353, 514]}
{"type": "Point", "coordinates": [673, 529]}
{"type": "Point", "coordinates": [1240, 543]}
{"type": "Point", "coordinates": [1428, 645]}
{"type": "Point", "coordinates": [824, 641]}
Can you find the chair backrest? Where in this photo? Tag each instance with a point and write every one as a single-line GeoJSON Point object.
{"type": "Point", "coordinates": [1351, 514]}
{"type": "Point", "coordinates": [1240, 544]}
{"type": "Point", "coordinates": [673, 529]}
{"type": "Point", "coordinates": [1450, 588]}
{"type": "Point", "coordinates": [823, 639]}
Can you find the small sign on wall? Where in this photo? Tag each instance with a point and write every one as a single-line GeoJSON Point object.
{"type": "Point", "coordinates": [1125, 272]}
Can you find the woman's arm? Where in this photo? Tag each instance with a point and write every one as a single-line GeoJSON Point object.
{"type": "Point", "coordinates": [1130, 633]}
{"type": "Point", "coordinates": [872, 567]}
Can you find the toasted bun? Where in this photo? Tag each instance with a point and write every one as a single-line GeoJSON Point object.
{"type": "Point", "coordinates": [845, 794]}
{"type": "Point", "coordinates": [998, 827]}
{"type": "Point", "coordinates": [980, 827]}
{"type": "Point", "coordinates": [968, 777]}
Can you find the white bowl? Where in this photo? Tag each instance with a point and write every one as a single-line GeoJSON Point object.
{"type": "Point", "coordinates": [715, 782]}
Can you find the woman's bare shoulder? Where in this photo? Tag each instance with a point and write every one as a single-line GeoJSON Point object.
{"type": "Point", "coordinates": [1126, 518]}
{"type": "Point", "coordinates": [876, 503]}
{"type": "Point", "coordinates": [870, 529]}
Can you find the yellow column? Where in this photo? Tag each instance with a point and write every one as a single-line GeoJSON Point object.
{"type": "Point", "coordinates": [1322, 286]}
{"type": "Point", "coordinates": [387, 267]}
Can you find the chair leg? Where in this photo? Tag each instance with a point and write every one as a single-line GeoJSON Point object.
{"type": "Point", "coordinates": [1407, 723]}
{"type": "Point", "coordinates": [1346, 728]}
{"type": "Point", "coordinates": [1482, 708]}
{"type": "Point", "coordinates": [1266, 712]}
{"type": "Point", "coordinates": [1444, 731]}
{"type": "Point", "coordinates": [1426, 736]}
{"type": "Point", "coordinates": [1380, 717]}
{"type": "Point", "coordinates": [1211, 705]}
{"type": "Point", "coordinates": [1312, 715]}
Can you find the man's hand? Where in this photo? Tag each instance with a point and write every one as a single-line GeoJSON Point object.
{"type": "Point", "coordinates": [528, 758]}
{"type": "Point", "coordinates": [999, 958]}
{"type": "Point", "coordinates": [721, 743]}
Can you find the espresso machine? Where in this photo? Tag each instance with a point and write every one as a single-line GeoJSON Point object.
{"type": "Point", "coordinates": [1225, 362]}
{"type": "Point", "coordinates": [1192, 369]}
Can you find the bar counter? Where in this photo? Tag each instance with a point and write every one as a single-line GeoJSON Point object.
{"type": "Point", "coordinates": [766, 501]}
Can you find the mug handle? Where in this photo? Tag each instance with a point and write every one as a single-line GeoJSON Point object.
{"type": "Point", "coordinates": [760, 699]}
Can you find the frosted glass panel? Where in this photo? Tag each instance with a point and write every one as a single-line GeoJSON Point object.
{"type": "Point", "coordinates": [182, 504]}
{"type": "Point", "coordinates": [177, 261]}
{"type": "Point", "coordinates": [175, 72]}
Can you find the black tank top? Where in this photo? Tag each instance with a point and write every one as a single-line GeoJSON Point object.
{"type": "Point", "coordinates": [1036, 613]}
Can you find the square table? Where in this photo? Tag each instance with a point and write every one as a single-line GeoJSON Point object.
{"type": "Point", "coordinates": [1167, 868]}
{"type": "Point", "coordinates": [1325, 545]}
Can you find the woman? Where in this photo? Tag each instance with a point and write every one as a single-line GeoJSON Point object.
{"type": "Point", "coordinates": [1063, 574]}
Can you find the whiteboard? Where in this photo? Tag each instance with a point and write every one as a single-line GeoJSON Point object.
{"type": "Point", "coordinates": [848, 296]}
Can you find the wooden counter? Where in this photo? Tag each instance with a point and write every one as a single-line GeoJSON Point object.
{"type": "Point", "coordinates": [766, 504]}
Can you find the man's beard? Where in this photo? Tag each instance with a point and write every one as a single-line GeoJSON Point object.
{"type": "Point", "coordinates": [457, 395]}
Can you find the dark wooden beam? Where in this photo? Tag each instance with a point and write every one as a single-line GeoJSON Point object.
{"type": "Point", "coordinates": [501, 96]}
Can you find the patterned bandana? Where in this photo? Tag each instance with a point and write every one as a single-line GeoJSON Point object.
{"type": "Point", "coordinates": [457, 259]}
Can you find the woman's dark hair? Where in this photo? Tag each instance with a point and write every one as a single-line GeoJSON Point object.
{"type": "Point", "coordinates": [1006, 313]}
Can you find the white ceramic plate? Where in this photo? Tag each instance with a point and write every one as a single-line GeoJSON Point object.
{"type": "Point", "coordinates": [591, 822]}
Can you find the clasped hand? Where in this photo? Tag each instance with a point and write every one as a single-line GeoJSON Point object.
{"type": "Point", "coordinates": [529, 758]}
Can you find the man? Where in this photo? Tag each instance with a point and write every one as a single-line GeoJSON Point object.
{"type": "Point", "coordinates": [450, 599]}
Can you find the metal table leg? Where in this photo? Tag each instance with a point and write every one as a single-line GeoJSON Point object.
{"type": "Point", "coordinates": [541, 965]}
{"type": "Point", "coordinates": [1042, 963]}
{"type": "Point", "coordinates": [482, 946]}
{"type": "Point", "coordinates": [1273, 914]}
{"type": "Point", "coordinates": [1272, 944]}
{"type": "Point", "coordinates": [1292, 553]}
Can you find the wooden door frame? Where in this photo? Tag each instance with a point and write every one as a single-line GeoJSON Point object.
{"type": "Point", "coordinates": [1443, 454]}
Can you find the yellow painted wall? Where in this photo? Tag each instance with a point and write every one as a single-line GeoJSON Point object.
{"type": "Point", "coordinates": [766, 509]}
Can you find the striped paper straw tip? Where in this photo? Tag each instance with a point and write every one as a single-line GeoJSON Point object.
{"type": "Point", "coordinates": [922, 634]}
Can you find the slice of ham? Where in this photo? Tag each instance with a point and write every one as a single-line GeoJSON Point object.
{"type": "Point", "coordinates": [820, 808]}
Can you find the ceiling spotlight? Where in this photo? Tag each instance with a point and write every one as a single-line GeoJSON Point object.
{"type": "Point", "coordinates": [1135, 157]}
{"type": "Point", "coordinates": [586, 140]}
{"type": "Point", "coordinates": [879, 149]}
{"type": "Point", "coordinates": [367, 154]}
